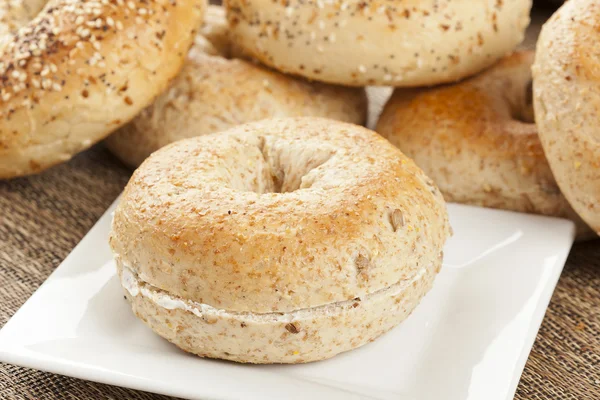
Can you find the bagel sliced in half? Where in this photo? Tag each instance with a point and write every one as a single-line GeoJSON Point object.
{"type": "Point", "coordinates": [280, 241]}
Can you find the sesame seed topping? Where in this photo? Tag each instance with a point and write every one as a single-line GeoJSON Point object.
{"type": "Point", "coordinates": [65, 41]}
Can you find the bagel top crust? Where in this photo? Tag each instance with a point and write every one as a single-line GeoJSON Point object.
{"type": "Point", "coordinates": [378, 42]}
{"type": "Point", "coordinates": [279, 215]}
{"type": "Point", "coordinates": [82, 68]}
{"type": "Point", "coordinates": [567, 103]}
{"type": "Point", "coordinates": [491, 111]}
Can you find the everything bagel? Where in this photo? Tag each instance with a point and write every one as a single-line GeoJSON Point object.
{"type": "Point", "coordinates": [79, 69]}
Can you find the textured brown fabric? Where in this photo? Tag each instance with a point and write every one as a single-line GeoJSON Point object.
{"type": "Point", "coordinates": [43, 217]}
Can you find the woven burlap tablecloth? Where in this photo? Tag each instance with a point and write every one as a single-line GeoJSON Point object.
{"type": "Point", "coordinates": [43, 217]}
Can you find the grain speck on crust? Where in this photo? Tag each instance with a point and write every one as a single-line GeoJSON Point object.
{"type": "Point", "coordinates": [291, 328]}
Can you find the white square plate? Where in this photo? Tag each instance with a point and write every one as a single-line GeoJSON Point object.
{"type": "Point", "coordinates": [469, 338]}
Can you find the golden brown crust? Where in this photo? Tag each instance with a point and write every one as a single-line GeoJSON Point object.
{"type": "Point", "coordinates": [477, 140]}
{"type": "Point", "coordinates": [279, 215]}
{"type": "Point", "coordinates": [378, 42]}
{"type": "Point", "coordinates": [213, 93]}
{"type": "Point", "coordinates": [567, 103]}
{"type": "Point", "coordinates": [80, 69]}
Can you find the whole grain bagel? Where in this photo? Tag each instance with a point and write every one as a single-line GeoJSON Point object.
{"type": "Point", "coordinates": [478, 141]}
{"type": "Point", "coordinates": [76, 70]}
{"type": "Point", "coordinates": [567, 103]}
{"type": "Point", "coordinates": [279, 241]}
{"type": "Point", "coordinates": [213, 93]}
{"type": "Point", "coordinates": [376, 42]}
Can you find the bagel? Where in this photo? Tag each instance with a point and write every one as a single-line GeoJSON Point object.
{"type": "Point", "coordinates": [567, 103]}
{"type": "Point", "coordinates": [76, 70]}
{"type": "Point", "coordinates": [213, 93]}
{"type": "Point", "coordinates": [279, 241]}
{"type": "Point", "coordinates": [478, 141]}
{"type": "Point", "coordinates": [391, 43]}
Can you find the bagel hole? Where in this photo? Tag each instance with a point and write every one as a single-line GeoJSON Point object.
{"type": "Point", "coordinates": [290, 165]}
{"type": "Point", "coordinates": [522, 110]}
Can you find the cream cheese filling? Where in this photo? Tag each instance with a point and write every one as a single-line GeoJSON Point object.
{"type": "Point", "coordinates": [135, 286]}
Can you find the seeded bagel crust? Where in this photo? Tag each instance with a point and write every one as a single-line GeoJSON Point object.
{"type": "Point", "coordinates": [213, 93]}
{"type": "Point", "coordinates": [478, 141]}
{"type": "Point", "coordinates": [75, 71]}
{"type": "Point", "coordinates": [279, 216]}
{"type": "Point", "coordinates": [567, 103]}
{"type": "Point", "coordinates": [378, 42]}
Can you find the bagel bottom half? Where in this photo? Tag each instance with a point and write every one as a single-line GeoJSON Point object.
{"type": "Point", "coordinates": [478, 141]}
{"type": "Point", "coordinates": [300, 336]}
